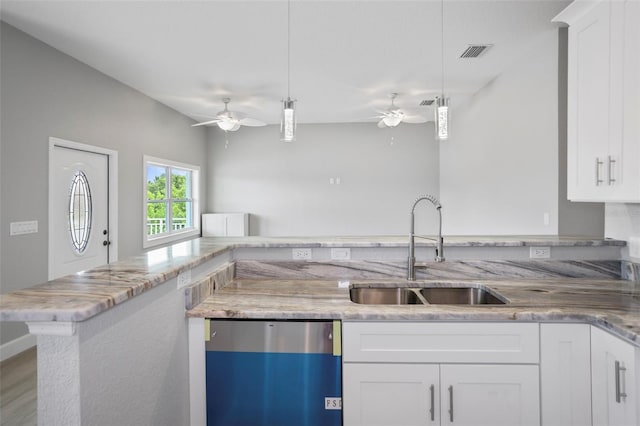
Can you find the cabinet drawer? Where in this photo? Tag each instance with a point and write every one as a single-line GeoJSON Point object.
{"type": "Point", "coordinates": [441, 342]}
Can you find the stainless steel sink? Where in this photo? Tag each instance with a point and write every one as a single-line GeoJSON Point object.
{"type": "Point", "coordinates": [384, 296]}
{"type": "Point", "coordinates": [426, 295]}
{"type": "Point", "coordinates": [460, 296]}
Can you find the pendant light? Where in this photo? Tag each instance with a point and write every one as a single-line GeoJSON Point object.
{"type": "Point", "coordinates": [288, 120]}
{"type": "Point", "coordinates": [442, 102]}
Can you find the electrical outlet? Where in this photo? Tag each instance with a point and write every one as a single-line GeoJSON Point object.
{"type": "Point", "coordinates": [340, 253]}
{"type": "Point", "coordinates": [301, 254]}
{"type": "Point", "coordinates": [634, 247]}
{"type": "Point", "coordinates": [539, 252]}
{"type": "Point", "coordinates": [184, 278]}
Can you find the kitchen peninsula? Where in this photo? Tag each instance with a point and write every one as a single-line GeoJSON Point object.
{"type": "Point", "coordinates": [129, 362]}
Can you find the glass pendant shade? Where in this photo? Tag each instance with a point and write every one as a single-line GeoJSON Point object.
{"type": "Point", "coordinates": [288, 121]}
{"type": "Point", "coordinates": [442, 118]}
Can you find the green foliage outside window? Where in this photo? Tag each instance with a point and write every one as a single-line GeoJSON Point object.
{"type": "Point", "coordinates": [157, 191]}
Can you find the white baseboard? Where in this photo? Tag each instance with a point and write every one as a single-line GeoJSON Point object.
{"type": "Point", "coordinates": [15, 346]}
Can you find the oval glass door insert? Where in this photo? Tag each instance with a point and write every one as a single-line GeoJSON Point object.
{"type": "Point", "coordinates": [80, 212]}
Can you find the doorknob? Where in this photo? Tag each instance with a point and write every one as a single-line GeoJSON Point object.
{"type": "Point", "coordinates": [106, 243]}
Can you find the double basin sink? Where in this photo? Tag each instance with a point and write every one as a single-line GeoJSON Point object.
{"type": "Point", "coordinates": [426, 294]}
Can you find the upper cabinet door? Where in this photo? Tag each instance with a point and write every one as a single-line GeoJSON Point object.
{"type": "Point", "coordinates": [603, 73]}
{"type": "Point", "coordinates": [588, 104]}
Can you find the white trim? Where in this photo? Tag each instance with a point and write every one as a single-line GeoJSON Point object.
{"type": "Point", "coordinates": [52, 328]}
{"type": "Point", "coordinates": [197, 373]}
{"type": "Point", "coordinates": [149, 242]}
{"type": "Point", "coordinates": [113, 193]}
{"type": "Point", "coordinates": [15, 346]}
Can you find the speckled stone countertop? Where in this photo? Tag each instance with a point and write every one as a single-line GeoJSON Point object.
{"type": "Point", "coordinates": [81, 296]}
{"type": "Point", "coordinates": [613, 305]}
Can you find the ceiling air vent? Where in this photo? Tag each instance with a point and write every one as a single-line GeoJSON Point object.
{"type": "Point", "coordinates": [426, 102]}
{"type": "Point", "coordinates": [475, 50]}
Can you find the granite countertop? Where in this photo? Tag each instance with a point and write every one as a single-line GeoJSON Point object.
{"type": "Point", "coordinates": [403, 241]}
{"type": "Point", "coordinates": [613, 305]}
{"type": "Point", "coordinates": [81, 296]}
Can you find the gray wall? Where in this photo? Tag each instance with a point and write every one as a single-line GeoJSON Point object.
{"type": "Point", "coordinates": [47, 93]}
{"type": "Point", "coordinates": [502, 170]}
{"type": "Point", "coordinates": [499, 171]}
{"type": "Point", "coordinates": [286, 186]}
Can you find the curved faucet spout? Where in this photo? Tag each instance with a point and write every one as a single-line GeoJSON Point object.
{"type": "Point", "coordinates": [411, 264]}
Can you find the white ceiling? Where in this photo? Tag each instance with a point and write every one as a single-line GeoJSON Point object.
{"type": "Point", "coordinates": [346, 56]}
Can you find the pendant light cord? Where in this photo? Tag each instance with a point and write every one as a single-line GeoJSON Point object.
{"type": "Point", "coordinates": [288, 48]}
{"type": "Point", "coordinates": [442, 43]}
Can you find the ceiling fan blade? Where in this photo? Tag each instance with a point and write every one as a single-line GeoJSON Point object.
{"type": "Point", "coordinates": [205, 123]}
{"type": "Point", "coordinates": [252, 122]}
{"type": "Point", "coordinates": [381, 124]}
{"type": "Point", "coordinates": [236, 115]}
{"type": "Point", "coordinates": [414, 119]}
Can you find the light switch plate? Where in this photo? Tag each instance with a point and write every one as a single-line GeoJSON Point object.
{"type": "Point", "coordinates": [340, 253]}
{"type": "Point", "coordinates": [22, 228]}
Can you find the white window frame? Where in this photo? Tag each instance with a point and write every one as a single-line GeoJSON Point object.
{"type": "Point", "coordinates": [170, 236]}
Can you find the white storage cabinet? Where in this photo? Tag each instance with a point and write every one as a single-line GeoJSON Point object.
{"type": "Point", "coordinates": [440, 374]}
{"type": "Point", "coordinates": [603, 100]}
{"type": "Point", "coordinates": [614, 374]}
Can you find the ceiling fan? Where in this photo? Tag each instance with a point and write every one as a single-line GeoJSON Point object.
{"type": "Point", "coordinates": [393, 115]}
{"type": "Point", "coordinates": [230, 121]}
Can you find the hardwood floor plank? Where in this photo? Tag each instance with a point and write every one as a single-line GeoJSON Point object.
{"type": "Point", "coordinates": [18, 389]}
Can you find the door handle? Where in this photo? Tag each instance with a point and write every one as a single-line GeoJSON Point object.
{"type": "Point", "coordinates": [598, 164]}
{"type": "Point", "coordinates": [610, 170]}
{"type": "Point", "coordinates": [619, 392]}
{"type": "Point", "coordinates": [432, 409]}
{"type": "Point", "coordinates": [106, 243]}
{"type": "Point", "coordinates": [451, 403]}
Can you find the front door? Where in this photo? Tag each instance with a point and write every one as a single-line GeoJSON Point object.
{"type": "Point", "coordinates": [78, 211]}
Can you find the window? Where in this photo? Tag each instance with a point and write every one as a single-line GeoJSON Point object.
{"type": "Point", "coordinates": [171, 207]}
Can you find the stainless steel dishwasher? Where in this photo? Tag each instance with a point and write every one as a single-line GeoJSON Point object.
{"type": "Point", "coordinates": [274, 373]}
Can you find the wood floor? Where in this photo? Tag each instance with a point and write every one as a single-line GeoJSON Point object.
{"type": "Point", "coordinates": [18, 390]}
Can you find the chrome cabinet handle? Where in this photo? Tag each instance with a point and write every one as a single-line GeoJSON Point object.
{"type": "Point", "coordinates": [598, 164]}
{"type": "Point", "coordinates": [611, 180]}
{"type": "Point", "coordinates": [451, 404]}
{"type": "Point", "coordinates": [619, 392]}
{"type": "Point", "coordinates": [432, 409]}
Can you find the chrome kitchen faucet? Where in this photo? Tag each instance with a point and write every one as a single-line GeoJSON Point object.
{"type": "Point", "coordinates": [411, 263]}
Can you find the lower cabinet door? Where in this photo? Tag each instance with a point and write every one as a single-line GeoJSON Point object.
{"type": "Point", "coordinates": [614, 396]}
{"type": "Point", "coordinates": [490, 395]}
{"type": "Point", "coordinates": [390, 394]}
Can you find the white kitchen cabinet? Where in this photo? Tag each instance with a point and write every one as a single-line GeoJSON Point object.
{"type": "Point", "coordinates": [411, 394]}
{"type": "Point", "coordinates": [603, 100]}
{"type": "Point", "coordinates": [489, 395]}
{"type": "Point", "coordinates": [225, 224]}
{"type": "Point", "coordinates": [398, 373]}
{"type": "Point", "coordinates": [391, 394]}
{"type": "Point", "coordinates": [614, 384]}
{"type": "Point", "coordinates": [565, 374]}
